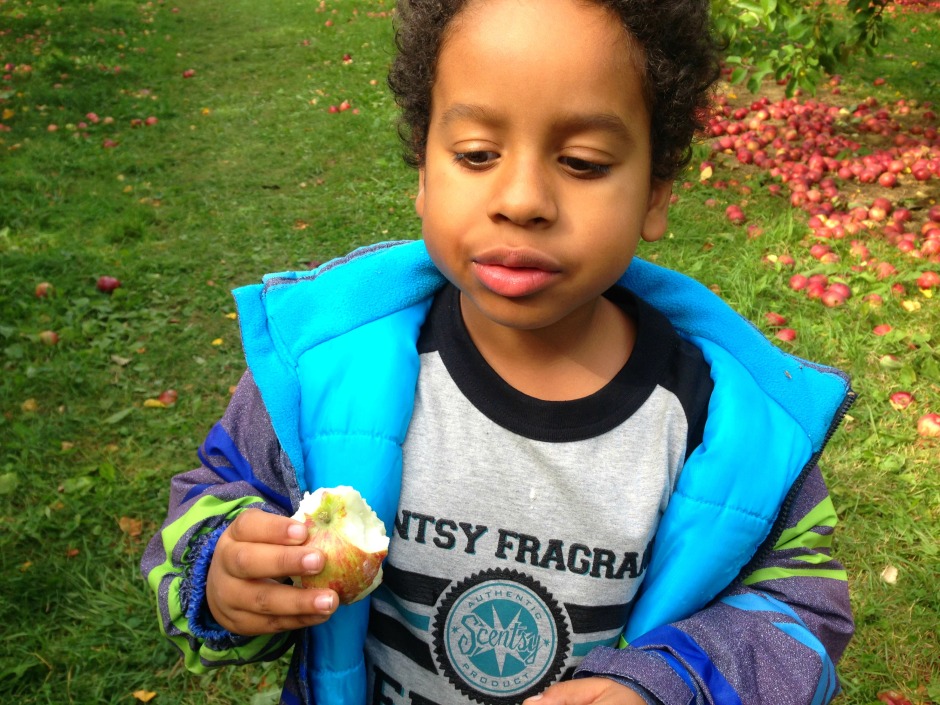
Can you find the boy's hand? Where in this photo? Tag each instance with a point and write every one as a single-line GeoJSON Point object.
{"type": "Point", "coordinates": [244, 589]}
{"type": "Point", "coordinates": [587, 691]}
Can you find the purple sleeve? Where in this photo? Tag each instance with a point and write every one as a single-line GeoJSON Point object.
{"type": "Point", "coordinates": [242, 466]}
{"type": "Point", "coordinates": [772, 637]}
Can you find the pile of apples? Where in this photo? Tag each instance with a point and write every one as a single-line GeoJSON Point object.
{"type": "Point", "coordinates": [860, 173]}
{"type": "Point", "coordinates": [812, 151]}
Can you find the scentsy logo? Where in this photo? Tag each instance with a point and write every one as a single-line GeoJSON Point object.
{"type": "Point", "coordinates": [500, 636]}
{"type": "Point", "coordinates": [518, 639]}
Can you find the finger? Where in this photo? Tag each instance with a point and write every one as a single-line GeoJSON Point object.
{"type": "Point", "coordinates": [267, 607]}
{"type": "Point", "coordinates": [251, 561]}
{"type": "Point", "coordinates": [258, 526]}
{"type": "Point", "coordinates": [585, 691]}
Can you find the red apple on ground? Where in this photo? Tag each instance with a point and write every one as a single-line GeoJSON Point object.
{"type": "Point", "coordinates": [928, 426]}
{"type": "Point", "coordinates": [928, 280]}
{"type": "Point", "coordinates": [798, 282]}
{"type": "Point", "coordinates": [735, 215]}
{"type": "Point", "coordinates": [351, 537]}
{"type": "Point", "coordinates": [775, 319]}
{"type": "Point", "coordinates": [49, 337]}
{"type": "Point", "coordinates": [832, 297]}
{"type": "Point", "coordinates": [107, 284]}
{"type": "Point", "coordinates": [786, 334]}
{"type": "Point", "coordinates": [44, 290]}
{"type": "Point", "coordinates": [900, 400]}
{"type": "Point", "coordinates": [892, 697]}
{"type": "Point", "coordinates": [168, 397]}
{"type": "Point", "coordinates": [881, 329]}
{"type": "Point", "coordinates": [189, 73]}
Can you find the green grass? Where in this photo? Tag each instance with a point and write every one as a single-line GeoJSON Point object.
{"type": "Point", "coordinates": [247, 172]}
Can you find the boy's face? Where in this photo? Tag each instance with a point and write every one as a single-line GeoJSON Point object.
{"type": "Point", "coordinates": [536, 183]}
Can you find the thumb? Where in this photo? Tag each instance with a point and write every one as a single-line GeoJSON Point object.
{"type": "Point", "coordinates": [577, 692]}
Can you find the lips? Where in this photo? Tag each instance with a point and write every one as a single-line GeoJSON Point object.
{"type": "Point", "coordinates": [515, 273]}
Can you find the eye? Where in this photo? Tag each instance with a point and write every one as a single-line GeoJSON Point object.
{"type": "Point", "coordinates": [583, 169]}
{"type": "Point", "coordinates": [477, 160]}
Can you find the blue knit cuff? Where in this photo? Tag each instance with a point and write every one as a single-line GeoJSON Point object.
{"type": "Point", "coordinates": [202, 625]}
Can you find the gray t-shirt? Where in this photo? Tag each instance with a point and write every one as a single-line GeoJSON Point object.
{"type": "Point", "coordinates": [525, 526]}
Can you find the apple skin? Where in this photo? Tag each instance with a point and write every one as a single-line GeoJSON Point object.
{"type": "Point", "coordinates": [928, 426]}
{"type": "Point", "coordinates": [350, 570]}
{"type": "Point", "coordinates": [928, 280]}
{"type": "Point", "coordinates": [774, 319]}
{"type": "Point", "coordinates": [900, 400]}
{"type": "Point", "coordinates": [49, 337]}
{"type": "Point", "coordinates": [107, 284]}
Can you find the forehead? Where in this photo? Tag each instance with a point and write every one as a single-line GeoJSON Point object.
{"type": "Point", "coordinates": [574, 49]}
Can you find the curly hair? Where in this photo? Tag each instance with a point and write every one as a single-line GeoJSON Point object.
{"type": "Point", "coordinates": [681, 57]}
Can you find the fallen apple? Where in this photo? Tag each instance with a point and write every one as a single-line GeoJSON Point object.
{"type": "Point", "coordinates": [49, 337]}
{"type": "Point", "coordinates": [927, 280]}
{"type": "Point", "coordinates": [43, 290]}
{"type": "Point", "coordinates": [928, 426]}
{"type": "Point", "coordinates": [107, 284]}
{"type": "Point", "coordinates": [893, 697]}
{"type": "Point", "coordinates": [351, 537]}
{"type": "Point", "coordinates": [900, 400]}
{"type": "Point", "coordinates": [774, 319]}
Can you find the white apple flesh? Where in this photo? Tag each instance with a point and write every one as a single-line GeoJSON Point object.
{"type": "Point", "coordinates": [351, 537]}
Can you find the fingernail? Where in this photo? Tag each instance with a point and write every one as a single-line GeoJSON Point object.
{"type": "Point", "coordinates": [312, 561]}
{"type": "Point", "coordinates": [324, 603]}
{"type": "Point", "coordinates": [297, 531]}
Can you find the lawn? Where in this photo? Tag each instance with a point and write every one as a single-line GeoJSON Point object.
{"type": "Point", "coordinates": [186, 151]}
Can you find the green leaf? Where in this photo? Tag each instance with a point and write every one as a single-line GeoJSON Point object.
{"type": "Point", "coordinates": [8, 482]}
{"type": "Point", "coordinates": [738, 75]}
{"type": "Point", "coordinates": [891, 463]}
{"type": "Point", "coordinates": [906, 376]}
{"type": "Point", "coordinates": [77, 484]}
{"type": "Point", "coordinates": [119, 416]}
{"type": "Point", "coordinates": [107, 471]}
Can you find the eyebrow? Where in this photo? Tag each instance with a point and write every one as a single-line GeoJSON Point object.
{"type": "Point", "coordinates": [575, 122]}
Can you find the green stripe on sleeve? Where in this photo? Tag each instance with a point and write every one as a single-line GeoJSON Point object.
{"type": "Point", "coordinates": [759, 576]}
{"type": "Point", "coordinates": [802, 536]}
{"type": "Point", "coordinates": [202, 512]}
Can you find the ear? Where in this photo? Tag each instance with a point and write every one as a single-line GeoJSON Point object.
{"type": "Point", "coordinates": [657, 212]}
{"type": "Point", "coordinates": [419, 199]}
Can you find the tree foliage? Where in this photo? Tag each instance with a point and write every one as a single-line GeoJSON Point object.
{"type": "Point", "coordinates": [796, 40]}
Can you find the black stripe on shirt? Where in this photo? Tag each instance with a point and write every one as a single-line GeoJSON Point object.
{"type": "Point", "coordinates": [413, 587]}
{"type": "Point", "coordinates": [586, 619]}
{"type": "Point", "coordinates": [396, 636]}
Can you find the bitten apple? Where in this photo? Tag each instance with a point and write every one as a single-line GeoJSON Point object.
{"type": "Point", "coordinates": [351, 537]}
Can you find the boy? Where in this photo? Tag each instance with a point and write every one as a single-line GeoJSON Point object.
{"type": "Point", "coordinates": [520, 413]}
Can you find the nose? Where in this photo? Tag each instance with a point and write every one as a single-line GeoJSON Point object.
{"type": "Point", "coordinates": [523, 194]}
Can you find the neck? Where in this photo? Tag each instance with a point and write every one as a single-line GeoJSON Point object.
{"type": "Point", "coordinates": [570, 359]}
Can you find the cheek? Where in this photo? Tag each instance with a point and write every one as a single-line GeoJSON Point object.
{"type": "Point", "coordinates": [439, 246]}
